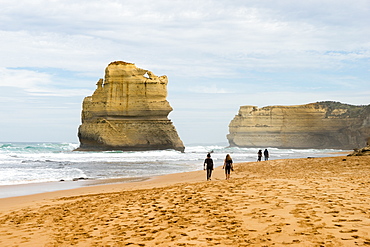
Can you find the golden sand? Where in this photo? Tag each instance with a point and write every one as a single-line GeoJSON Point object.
{"type": "Point", "coordinates": [296, 202]}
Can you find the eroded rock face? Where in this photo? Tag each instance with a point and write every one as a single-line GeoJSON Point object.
{"type": "Point", "coordinates": [316, 125]}
{"type": "Point", "coordinates": [128, 111]}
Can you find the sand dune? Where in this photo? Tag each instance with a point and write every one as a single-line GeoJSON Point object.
{"type": "Point", "coordinates": [297, 202]}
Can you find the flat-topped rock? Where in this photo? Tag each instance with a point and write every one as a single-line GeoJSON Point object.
{"type": "Point", "coordinates": [316, 125]}
{"type": "Point", "coordinates": [128, 111]}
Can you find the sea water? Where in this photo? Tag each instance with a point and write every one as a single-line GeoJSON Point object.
{"type": "Point", "coordinates": [30, 163]}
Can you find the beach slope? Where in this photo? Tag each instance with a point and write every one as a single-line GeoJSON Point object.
{"type": "Point", "coordinates": [295, 202]}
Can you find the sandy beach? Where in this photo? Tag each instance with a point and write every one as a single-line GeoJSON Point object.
{"type": "Point", "coordinates": [294, 202]}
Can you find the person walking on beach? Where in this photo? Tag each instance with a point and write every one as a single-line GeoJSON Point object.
{"type": "Point", "coordinates": [208, 165]}
{"type": "Point", "coordinates": [228, 166]}
{"type": "Point", "coordinates": [266, 154]}
{"type": "Point", "coordinates": [259, 155]}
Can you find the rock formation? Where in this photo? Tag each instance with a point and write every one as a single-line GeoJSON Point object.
{"type": "Point", "coordinates": [365, 151]}
{"type": "Point", "coordinates": [316, 125]}
{"type": "Point", "coordinates": [128, 111]}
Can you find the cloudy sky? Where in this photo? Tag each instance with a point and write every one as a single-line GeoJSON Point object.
{"type": "Point", "coordinates": [217, 54]}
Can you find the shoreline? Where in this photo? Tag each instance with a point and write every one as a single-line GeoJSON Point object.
{"type": "Point", "coordinates": [17, 190]}
{"type": "Point", "coordinates": [86, 187]}
{"type": "Point", "coordinates": [295, 202]}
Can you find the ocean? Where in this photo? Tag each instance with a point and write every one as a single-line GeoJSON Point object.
{"type": "Point", "coordinates": [41, 163]}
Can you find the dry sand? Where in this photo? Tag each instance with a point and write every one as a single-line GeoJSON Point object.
{"type": "Point", "coordinates": [296, 202]}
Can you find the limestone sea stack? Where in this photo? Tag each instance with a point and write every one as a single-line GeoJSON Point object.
{"type": "Point", "coordinates": [315, 125]}
{"type": "Point", "coordinates": [128, 111]}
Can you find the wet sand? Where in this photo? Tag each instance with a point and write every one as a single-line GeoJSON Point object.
{"type": "Point", "coordinates": [294, 202]}
{"type": "Point", "coordinates": [36, 188]}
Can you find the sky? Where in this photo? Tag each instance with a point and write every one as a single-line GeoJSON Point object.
{"type": "Point", "coordinates": [218, 55]}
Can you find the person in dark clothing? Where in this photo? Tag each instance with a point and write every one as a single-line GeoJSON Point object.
{"type": "Point", "coordinates": [208, 165]}
{"type": "Point", "coordinates": [228, 166]}
{"type": "Point", "coordinates": [266, 154]}
{"type": "Point", "coordinates": [259, 155]}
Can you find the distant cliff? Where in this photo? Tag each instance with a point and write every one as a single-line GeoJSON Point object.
{"type": "Point", "coordinates": [128, 111]}
{"type": "Point", "coordinates": [316, 125]}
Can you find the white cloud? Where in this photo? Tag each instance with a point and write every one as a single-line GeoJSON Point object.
{"type": "Point", "coordinates": [36, 84]}
{"type": "Point", "coordinates": [25, 79]}
{"type": "Point", "coordinates": [81, 30]}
